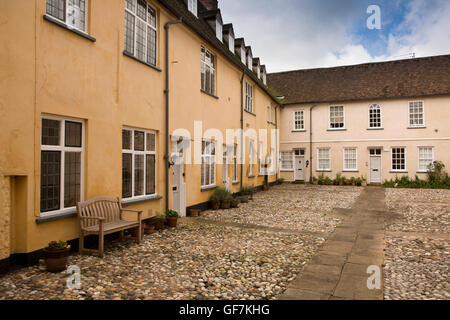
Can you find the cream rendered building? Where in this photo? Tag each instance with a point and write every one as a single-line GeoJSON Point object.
{"type": "Point", "coordinates": [377, 120]}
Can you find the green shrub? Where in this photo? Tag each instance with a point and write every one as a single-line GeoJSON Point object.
{"type": "Point", "coordinates": [247, 191]}
{"type": "Point", "coordinates": [57, 245]}
{"type": "Point", "coordinates": [172, 214]}
{"type": "Point", "coordinates": [417, 183]}
{"type": "Point", "coordinates": [222, 194]}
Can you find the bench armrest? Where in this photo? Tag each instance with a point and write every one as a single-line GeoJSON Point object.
{"type": "Point", "coordinates": [139, 213]}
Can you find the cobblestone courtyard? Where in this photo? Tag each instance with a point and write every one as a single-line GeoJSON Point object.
{"type": "Point", "coordinates": [255, 251]}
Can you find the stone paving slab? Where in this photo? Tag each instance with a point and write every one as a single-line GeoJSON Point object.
{"type": "Point", "coordinates": [339, 270]}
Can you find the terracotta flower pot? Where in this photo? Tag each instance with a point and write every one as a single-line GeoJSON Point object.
{"type": "Point", "coordinates": [56, 260]}
{"type": "Point", "coordinates": [341, 183]}
{"type": "Point", "coordinates": [172, 222]}
{"type": "Point", "coordinates": [149, 229]}
{"type": "Point", "coordinates": [159, 224]}
{"type": "Point", "coordinates": [225, 204]}
{"type": "Point", "coordinates": [265, 187]}
{"type": "Point", "coordinates": [215, 205]}
{"type": "Point", "coordinates": [194, 213]}
{"type": "Point", "coordinates": [244, 199]}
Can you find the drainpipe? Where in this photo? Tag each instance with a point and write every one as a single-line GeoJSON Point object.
{"type": "Point", "coordinates": [277, 154]}
{"type": "Point", "coordinates": [311, 144]}
{"type": "Point", "coordinates": [166, 92]}
{"type": "Point", "coordinates": [242, 126]}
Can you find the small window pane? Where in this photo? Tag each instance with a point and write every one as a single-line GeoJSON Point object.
{"type": "Point", "coordinates": [57, 9]}
{"type": "Point", "coordinates": [127, 160]}
{"type": "Point", "coordinates": [76, 14]}
{"type": "Point", "coordinates": [140, 40]}
{"type": "Point", "coordinates": [73, 134]}
{"type": "Point", "coordinates": [50, 180]}
{"type": "Point", "coordinates": [151, 142]}
{"type": "Point", "coordinates": [126, 139]}
{"type": "Point", "coordinates": [151, 46]}
{"type": "Point", "coordinates": [150, 175]}
{"type": "Point", "coordinates": [131, 6]}
{"type": "Point", "coordinates": [142, 9]}
{"type": "Point", "coordinates": [72, 178]}
{"type": "Point", "coordinates": [139, 141]}
{"type": "Point", "coordinates": [129, 32]}
{"type": "Point", "coordinates": [50, 132]}
{"type": "Point", "coordinates": [138, 175]}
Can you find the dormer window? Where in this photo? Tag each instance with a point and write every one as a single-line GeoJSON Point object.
{"type": "Point", "coordinates": [192, 6]}
{"type": "Point", "coordinates": [243, 56]}
{"type": "Point", "coordinates": [231, 42]}
{"type": "Point", "coordinates": [219, 30]}
{"type": "Point", "coordinates": [250, 61]}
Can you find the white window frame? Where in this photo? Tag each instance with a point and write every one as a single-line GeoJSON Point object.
{"type": "Point", "coordinates": [211, 157]}
{"type": "Point", "coordinates": [410, 114]}
{"type": "Point", "coordinates": [286, 154]}
{"type": "Point", "coordinates": [250, 61]}
{"type": "Point", "coordinates": [231, 41]}
{"type": "Point", "coordinates": [347, 169]}
{"type": "Point", "coordinates": [63, 149]}
{"type": "Point", "coordinates": [329, 118]}
{"type": "Point", "coordinates": [211, 64]}
{"type": "Point", "coordinates": [133, 164]}
{"type": "Point", "coordinates": [86, 15]}
{"type": "Point", "coordinates": [392, 160]}
{"type": "Point", "coordinates": [192, 7]}
{"type": "Point", "coordinates": [249, 93]}
{"type": "Point", "coordinates": [302, 119]}
{"type": "Point", "coordinates": [260, 158]}
{"type": "Point", "coordinates": [425, 170]}
{"type": "Point", "coordinates": [319, 159]}
{"type": "Point", "coordinates": [375, 105]}
{"type": "Point", "coordinates": [219, 30]}
{"type": "Point", "coordinates": [243, 55]}
{"type": "Point", "coordinates": [147, 24]}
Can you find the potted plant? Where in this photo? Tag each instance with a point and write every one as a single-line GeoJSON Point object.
{"type": "Point", "coordinates": [364, 181]}
{"type": "Point", "coordinates": [56, 256]}
{"type": "Point", "coordinates": [226, 202]}
{"type": "Point", "coordinates": [172, 218]}
{"type": "Point", "coordinates": [353, 181]}
{"type": "Point", "coordinates": [358, 182]}
{"type": "Point", "coordinates": [246, 193]}
{"type": "Point", "coordinates": [343, 181]}
{"type": "Point", "coordinates": [159, 220]}
{"type": "Point", "coordinates": [235, 203]}
{"type": "Point", "coordinates": [315, 181]}
{"type": "Point", "coordinates": [149, 228]}
{"type": "Point", "coordinates": [280, 181]}
{"type": "Point", "coordinates": [328, 181]}
{"type": "Point", "coordinates": [214, 202]}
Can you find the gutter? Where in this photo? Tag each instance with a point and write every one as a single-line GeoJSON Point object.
{"type": "Point", "coordinates": [242, 126]}
{"type": "Point", "coordinates": [166, 92]}
{"type": "Point", "coordinates": [311, 144]}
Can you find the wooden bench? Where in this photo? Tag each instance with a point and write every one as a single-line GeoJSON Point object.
{"type": "Point", "coordinates": [101, 216]}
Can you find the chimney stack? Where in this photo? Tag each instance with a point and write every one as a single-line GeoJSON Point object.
{"type": "Point", "coordinates": [210, 4]}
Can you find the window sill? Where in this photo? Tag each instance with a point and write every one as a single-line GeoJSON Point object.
{"type": "Point", "coordinates": [251, 177]}
{"type": "Point", "coordinates": [208, 188]}
{"type": "Point", "coordinates": [270, 122]}
{"type": "Point", "coordinates": [299, 130]}
{"type": "Point", "coordinates": [286, 170]}
{"type": "Point", "coordinates": [209, 94]}
{"type": "Point", "coordinates": [398, 171]}
{"type": "Point", "coordinates": [235, 182]}
{"type": "Point", "coordinates": [323, 171]}
{"type": "Point", "coordinates": [253, 114]}
{"type": "Point", "coordinates": [350, 171]}
{"type": "Point", "coordinates": [130, 201]}
{"type": "Point", "coordinates": [375, 129]}
{"type": "Point", "coordinates": [58, 216]}
{"type": "Point", "coordinates": [418, 127]}
{"type": "Point", "coordinates": [422, 172]}
{"type": "Point", "coordinates": [65, 26]}
{"type": "Point", "coordinates": [337, 129]}
{"type": "Point", "coordinates": [129, 55]}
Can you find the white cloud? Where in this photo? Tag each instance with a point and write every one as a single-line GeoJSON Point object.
{"type": "Point", "coordinates": [309, 34]}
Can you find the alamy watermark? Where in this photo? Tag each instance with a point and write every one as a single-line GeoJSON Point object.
{"type": "Point", "coordinates": [374, 20]}
{"type": "Point", "coordinates": [73, 282]}
{"type": "Point", "coordinates": [374, 281]}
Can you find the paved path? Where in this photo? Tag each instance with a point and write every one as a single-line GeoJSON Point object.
{"type": "Point", "coordinates": [339, 270]}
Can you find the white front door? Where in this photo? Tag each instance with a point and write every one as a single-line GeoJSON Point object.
{"type": "Point", "coordinates": [375, 169]}
{"type": "Point", "coordinates": [299, 168]}
{"type": "Point", "coordinates": [179, 189]}
{"type": "Point", "coordinates": [226, 178]}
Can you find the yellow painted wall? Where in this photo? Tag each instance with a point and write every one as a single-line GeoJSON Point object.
{"type": "Point", "coordinates": [47, 70]}
{"type": "Point", "coordinates": [395, 134]}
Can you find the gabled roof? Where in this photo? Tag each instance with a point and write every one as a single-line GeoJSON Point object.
{"type": "Point", "coordinates": [227, 28]}
{"type": "Point", "coordinates": [256, 62]}
{"type": "Point", "coordinates": [239, 42]}
{"type": "Point", "coordinates": [371, 81]}
{"type": "Point", "coordinates": [202, 28]}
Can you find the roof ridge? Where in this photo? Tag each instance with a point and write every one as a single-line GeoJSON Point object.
{"type": "Point", "coordinates": [361, 64]}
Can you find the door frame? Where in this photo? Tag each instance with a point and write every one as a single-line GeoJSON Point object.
{"type": "Point", "coordinates": [370, 165]}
